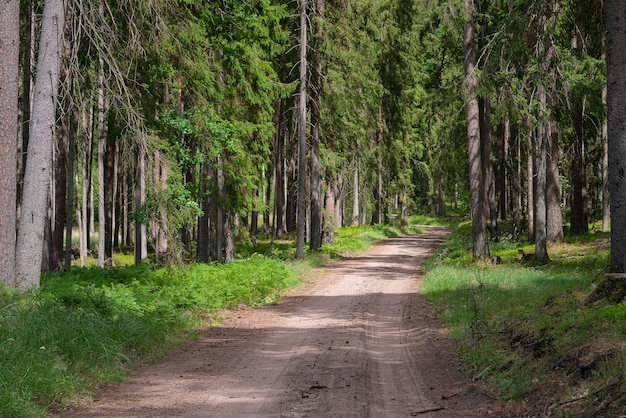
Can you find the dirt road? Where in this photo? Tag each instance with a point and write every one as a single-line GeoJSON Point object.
{"type": "Point", "coordinates": [357, 341]}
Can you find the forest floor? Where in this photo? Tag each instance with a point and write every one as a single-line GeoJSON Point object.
{"type": "Point", "coordinates": [355, 340]}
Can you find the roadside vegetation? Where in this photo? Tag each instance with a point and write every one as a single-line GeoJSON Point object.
{"type": "Point", "coordinates": [529, 331]}
{"type": "Point", "coordinates": [90, 326]}
{"type": "Point", "coordinates": [526, 331]}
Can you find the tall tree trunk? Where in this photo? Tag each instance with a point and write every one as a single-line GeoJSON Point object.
{"type": "Point", "coordinates": [102, 134]}
{"type": "Point", "coordinates": [578, 219]}
{"type": "Point", "coordinates": [553, 187]}
{"type": "Point", "coordinates": [530, 188]}
{"type": "Point", "coordinates": [541, 151]}
{"type": "Point", "coordinates": [606, 207]}
{"type": "Point", "coordinates": [355, 195]}
{"type": "Point", "coordinates": [202, 248]}
{"type": "Point", "coordinates": [279, 172]}
{"type": "Point", "coordinates": [39, 159]}
{"type": "Point", "coordinates": [229, 237]}
{"type": "Point", "coordinates": [302, 136]}
{"type": "Point", "coordinates": [70, 186]}
{"type": "Point", "coordinates": [489, 181]}
{"type": "Point", "coordinates": [516, 178]}
{"type": "Point", "coordinates": [502, 150]}
{"type": "Point", "coordinates": [615, 17]}
{"type": "Point", "coordinates": [377, 215]}
{"type": "Point", "coordinates": [28, 49]}
{"type": "Point", "coordinates": [9, 91]}
{"type": "Point", "coordinates": [109, 189]}
{"type": "Point", "coordinates": [329, 215]}
{"type": "Point", "coordinates": [479, 227]}
{"type": "Point", "coordinates": [141, 242]}
{"type": "Point", "coordinates": [119, 199]}
{"type": "Point", "coordinates": [60, 194]}
{"type": "Point", "coordinates": [220, 215]}
{"type": "Point", "coordinates": [316, 92]}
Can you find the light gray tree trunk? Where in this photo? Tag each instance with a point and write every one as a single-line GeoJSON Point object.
{"type": "Point", "coordinates": [302, 122]}
{"type": "Point", "coordinates": [355, 200]}
{"type": "Point", "coordinates": [101, 129]}
{"type": "Point", "coordinates": [9, 87]}
{"type": "Point", "coordinates": [39, 159]}
{"type": "Point", "coordinates": [615, 17]}
{"type": "Point", "coordinates": [553, 187]}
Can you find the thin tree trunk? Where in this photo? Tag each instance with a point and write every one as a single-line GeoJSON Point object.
{"type": "Point", "coordinates": [202, 248]}
{"type": "Point", "coordinates": [28, 49]}
{"type": "Point", "coordinates": [355, 195]}
{"type": "Point", "coordinates": [329, 215]}
{"type": "Point", "coordinates": [221, 221]}
{"type": "Point", "coordinates": [60, 194]}
{"type": "Point", "coordinates": [70, 187]}
{"type": "Point", "coordinates": [279, 173]}
{"type": "Point", "coordinates": [479, 228]}
{"type": "Point", "coordinates": [530, 189]}
{"type": "Point", "coordinates": [141, 243]}
{"type": "Point", "coordinates": [302, 133]}
{"type": "Point", "coordinates": [39, 160]}
{"type": "Point", "coordinates": [501, 171]}
{"type": "Point", "coordinates": [578, 219]}
{"type": "Point", "coordinates": [541, 151]}
{"type": "Point", "coordinates": [109, 192]}
{"type": "Point", "coordinates": [553, 187]}
{"type": "Point", "coordinates": [606, 207]}
{"type": "Point", "coordinates": [516, 178]}
{"type": "Point", "coordinates": [9, 91]}
{"type": "Point", "coordinates": [102, 133]}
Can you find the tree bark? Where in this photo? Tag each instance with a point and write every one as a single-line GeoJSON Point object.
{"type": "Point", "coordinates": [109, 188]}
{"type": "Point", "coordinates": [515, 178]}
{"type": "Point", "coordinates": [553, 187]}
{"type": "Point", "coordinates": [69, 206]}
{"type": "Point", "coordinates": [202, 249]}
{"type": "Point", "coordinates": [102, 134]}
{"type": "Point", "coordinates": [615, 17]}
{"type": "Point", "coordinates": [477, 205]}
{"type": "Point", "coordinates": [355, 195]}
{"type": "Point", "coordinates": [606, 207]}
{"type": "Point", "coordinates": [39, 159]}
{"type": "Point", "coordinates": [279, 173]}
{"type": "Point", "coordinates": [9, 91]}
{"type": "Point", "coordinates": [302, 133]}
{"type": "Point", "coordinates": [541, 151]}
{"type": "Point", "coordinates": [530, 188]}
{"type": "Point", "coordinates": [141, 242]}
{"type": "Point", "coordinates": [489, 185]}
{"type": "Point", "coordinates": [578, 219]}
{"type": "Point", "coordinates": [60, 194]}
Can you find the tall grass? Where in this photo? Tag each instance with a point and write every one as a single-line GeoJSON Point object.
{"type": "Point", "coordinates": [90, 325]}
{"type": "Point", "coordinates": [526, 329]}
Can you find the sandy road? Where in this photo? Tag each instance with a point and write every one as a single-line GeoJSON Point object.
{"type": "Point", "coordinates": [358, 341]}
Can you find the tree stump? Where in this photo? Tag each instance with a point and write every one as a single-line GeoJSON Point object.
{"type": "Point", "coordinates": [611, 287]}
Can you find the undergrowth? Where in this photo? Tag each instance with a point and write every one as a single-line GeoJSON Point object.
{"type": "Point", "coordinates": [91, 325]}
{"type": "Point", "coordinates": [526, 329]}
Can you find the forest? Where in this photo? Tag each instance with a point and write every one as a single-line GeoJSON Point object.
{"type": "Point", "coordinates": [182, 129]}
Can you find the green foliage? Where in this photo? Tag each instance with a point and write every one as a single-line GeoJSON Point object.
{"type": "Point", "coordinates": [525, 328]}
{"type": "Point", "coordinates": [90, 325]}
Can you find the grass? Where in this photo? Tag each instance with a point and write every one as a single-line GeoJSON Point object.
{"type": "Point", "coordinates": [526, 329]}
{"type": "Point", "coordinates": [89, 326]}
